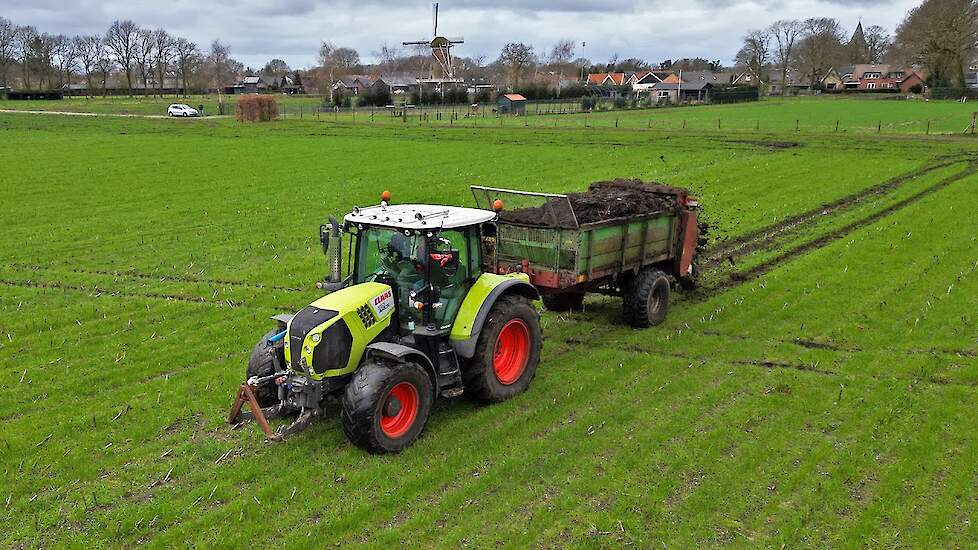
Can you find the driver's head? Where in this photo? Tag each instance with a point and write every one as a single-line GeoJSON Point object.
{"type": "Point", "coordinates": [399, 247]}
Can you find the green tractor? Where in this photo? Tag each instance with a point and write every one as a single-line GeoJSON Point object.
{"type": "Point", "coordinates": [416, 319]}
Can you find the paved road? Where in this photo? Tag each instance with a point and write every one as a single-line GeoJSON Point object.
{"type": "Point", "coordinates": [69, 113]}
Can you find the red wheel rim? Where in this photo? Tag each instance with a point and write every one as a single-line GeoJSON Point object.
{"type": "Point", "coordinates": [404, 398]}
{"type": "Point", "coordinates": [512, 351]}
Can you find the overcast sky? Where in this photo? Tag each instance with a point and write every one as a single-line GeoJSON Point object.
{"type": "Point", "coordinates": [259, 30]}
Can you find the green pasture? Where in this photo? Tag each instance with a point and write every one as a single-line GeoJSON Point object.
{"type": "Point", "coordinates": [817, 391]}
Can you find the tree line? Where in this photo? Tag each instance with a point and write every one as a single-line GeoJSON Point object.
{"type": "Point", "coordinates": [939, 35]}
{"type": "Point", "coordinates": [142, 58]}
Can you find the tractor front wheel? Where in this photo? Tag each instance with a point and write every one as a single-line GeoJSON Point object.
{"type": "Point", "coordinates": [262, 363]}
{"type": "Point", "coordinates": [386, 406]}
{"type": "Point", "coordinates": [507, 353]}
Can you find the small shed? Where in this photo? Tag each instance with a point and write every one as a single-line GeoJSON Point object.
{"type": "Point", "coordinates": [514, 104]}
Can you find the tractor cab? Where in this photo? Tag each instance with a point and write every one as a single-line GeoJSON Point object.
{"type": "Point", "coordinates": [413, 317]}
{"type": "Point", "coordinates": [429, 255]}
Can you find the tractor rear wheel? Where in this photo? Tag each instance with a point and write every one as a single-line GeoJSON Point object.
{"type": "Point", "coordinates": [646, 298]}
{"type": "Point", "coordinates": [262, 363]}
{"type": "Point", "coordinates": [507, 352]}
{"type": "Point", "coordinates": [567, 301]}
{"type": "Point", "coordinates": [386, 405]}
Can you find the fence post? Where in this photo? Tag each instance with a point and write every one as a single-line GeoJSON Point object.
{"type": "Point", "coordinates": [837, 126]}
{"type": "Point", "coordinates": [616, 122]}
{"type": "Point", "coordinates": [757, 126]}
{"type": "Point", "coordinates": [797, 125]}
{"type": "Point", "coordinates": [879, 129]}
{"type": "Point", "coordinates": [718, 124]}
{"type": "Point", "coordinates": [300, 112]}
{"type": "Point", "coordinates": [928, 127]}
{"type": "Point", "coordinates": [974, 122]}
{"type": "Point", "coordinates": [684, 124]}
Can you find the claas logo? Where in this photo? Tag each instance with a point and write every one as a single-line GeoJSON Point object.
{"type": "Point", "coordinates": [382, 297]}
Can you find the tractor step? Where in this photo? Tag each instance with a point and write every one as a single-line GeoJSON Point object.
{"type": "Point", "coordinates": [449, 393]}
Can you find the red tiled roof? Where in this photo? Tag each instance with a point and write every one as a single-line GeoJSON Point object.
{"type": "Point", "coordinates": [514, 97]}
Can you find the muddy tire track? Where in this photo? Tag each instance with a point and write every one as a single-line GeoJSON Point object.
{"type": "Point", "coordinates": [159, 277]}
{"type": "Point", "coordinates": [765, 238]}
{"type": "Point", "coordinates": [98, 291]}
{"type": "Point", "coordinates": [739, 278]}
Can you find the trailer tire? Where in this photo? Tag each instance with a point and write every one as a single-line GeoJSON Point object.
{"type": "Point", "coordinates": [386, 405]}
{"type": "Point", "coordinates": [565, 301]}
{"type": "Point", "coordinates": [261, 363]}
{"type": "Point", "coordinates": [507, 352]}
{"type": "Point", "coordinates": [646, 298]}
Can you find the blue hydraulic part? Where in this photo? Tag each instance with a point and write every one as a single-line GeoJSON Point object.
{"type": "Point", "coordinates": [276, 338]}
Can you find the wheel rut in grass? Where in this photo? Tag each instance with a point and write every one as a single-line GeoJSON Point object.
{"type": "Point", "coordinates": [161, 277]}
{"type": "Point", "coordinates": [765, 238]}
{"type": "Point", "coordinates": [739, 278]}
{"type": "Point", "coordinates": [97, 291]}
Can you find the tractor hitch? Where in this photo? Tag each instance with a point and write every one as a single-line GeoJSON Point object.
{"type": "Point", "coordinates": [246, 395]}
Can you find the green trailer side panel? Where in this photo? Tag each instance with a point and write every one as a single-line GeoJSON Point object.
{"type": "Point", "coordinates": [589, 249]}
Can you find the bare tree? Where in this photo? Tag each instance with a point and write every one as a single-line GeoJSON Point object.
{"type": "Point", "coordinates": [346, 59]}
{"type": "Point", "coordinates": [188, 57]}
{"type": "Point", "coordinates": [336, 62]}
{"type": "Point", "coordinates": [755, 54]}
{"type": "Point", "coordinates": [88, 49]}
{"type": "Point", "coordinates": [515, 58]}
{"type": "Point", "coordinates": [65, 56]}
{"type": "Point", "coordinates": [163, 45]}
{"type": "Point", "coordinates": [8, 47]}
{"type": "Point", "coordinates": [821, 47]}
{"type": "Point", "coordinates": [878, 42]}
{"type": "Point", "coordinates": [44, 50]}
{"type": "Point", "coordinates": [26, 40]}
{"type": "Point", "coordinates": [785, 33]}
{"type": "Point", "coordinates": [221, 67]}
{"type": "Point", "coordinates": [120, 39]}
{"type": "Point", "coordinates": [562, 53]}
{"type": "Point", "coordinates": [104, 62]}
{"type": "Point", "coordinates": [942, 35]}
{"type": "Point", "coordinates": [144, 54]}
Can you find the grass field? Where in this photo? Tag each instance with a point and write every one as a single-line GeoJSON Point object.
{"type": "Point", "coordinates": [822, 115]}
{"type": "Point", "coordinates": [817, 391]}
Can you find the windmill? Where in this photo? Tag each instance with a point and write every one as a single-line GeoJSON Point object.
{"type": "Point", "coordinates": [441, 51]}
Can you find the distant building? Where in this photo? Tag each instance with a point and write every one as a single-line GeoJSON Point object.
{"type": "Point", "coordinates": [877, 77]}
{"type": "Point", "coordinates": [513, 104]}
{"type": "Point", "coordinates": [247, 85]}
{"type": "Point", "coordinates": [354, 84]}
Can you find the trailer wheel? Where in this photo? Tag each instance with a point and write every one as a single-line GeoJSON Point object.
{"type": "Point", "coordinates": [386, 406]}
{"type": "Point", "coordinates": [507, 353]}
{"type": "Point", "coordinates": [646, 298]}
{"type": "Point", "coordinates": [566, 301]}
{"type": "Point", "coordinates": [261, 363]}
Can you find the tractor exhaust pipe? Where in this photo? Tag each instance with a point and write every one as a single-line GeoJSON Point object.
{"type": "Point", "coordinates": [335, 252]}
{"type": "Point", "coordinates": [331, 238]}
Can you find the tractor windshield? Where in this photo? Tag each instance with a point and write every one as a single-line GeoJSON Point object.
{"type": "Point", "coordinates": [413, 262]}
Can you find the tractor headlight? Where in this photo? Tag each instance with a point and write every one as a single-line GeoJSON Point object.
{"type": "Point", "coordinates": [316, 338]}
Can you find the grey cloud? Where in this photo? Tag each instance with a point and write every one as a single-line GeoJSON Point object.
{"type": "Point", "coordinates": [258, 30]}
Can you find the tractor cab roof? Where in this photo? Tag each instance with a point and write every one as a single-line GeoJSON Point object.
{"type": "Point", "coordinates": [419, 216]}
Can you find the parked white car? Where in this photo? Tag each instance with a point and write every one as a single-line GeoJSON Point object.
{"type": "Point", "coordinates": [178, 109]}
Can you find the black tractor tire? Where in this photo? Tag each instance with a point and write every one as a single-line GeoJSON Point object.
{"type": "Point", "coordinates": [567, 301]}
{"type": "Point", "coordinates": [261, 363]}
{"type": "Point", "coordinates": [645, 302]}
{"type": "Point", "coordinates": [507, 352]}
{"type": "Point", "coordinates": [377, 406]}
